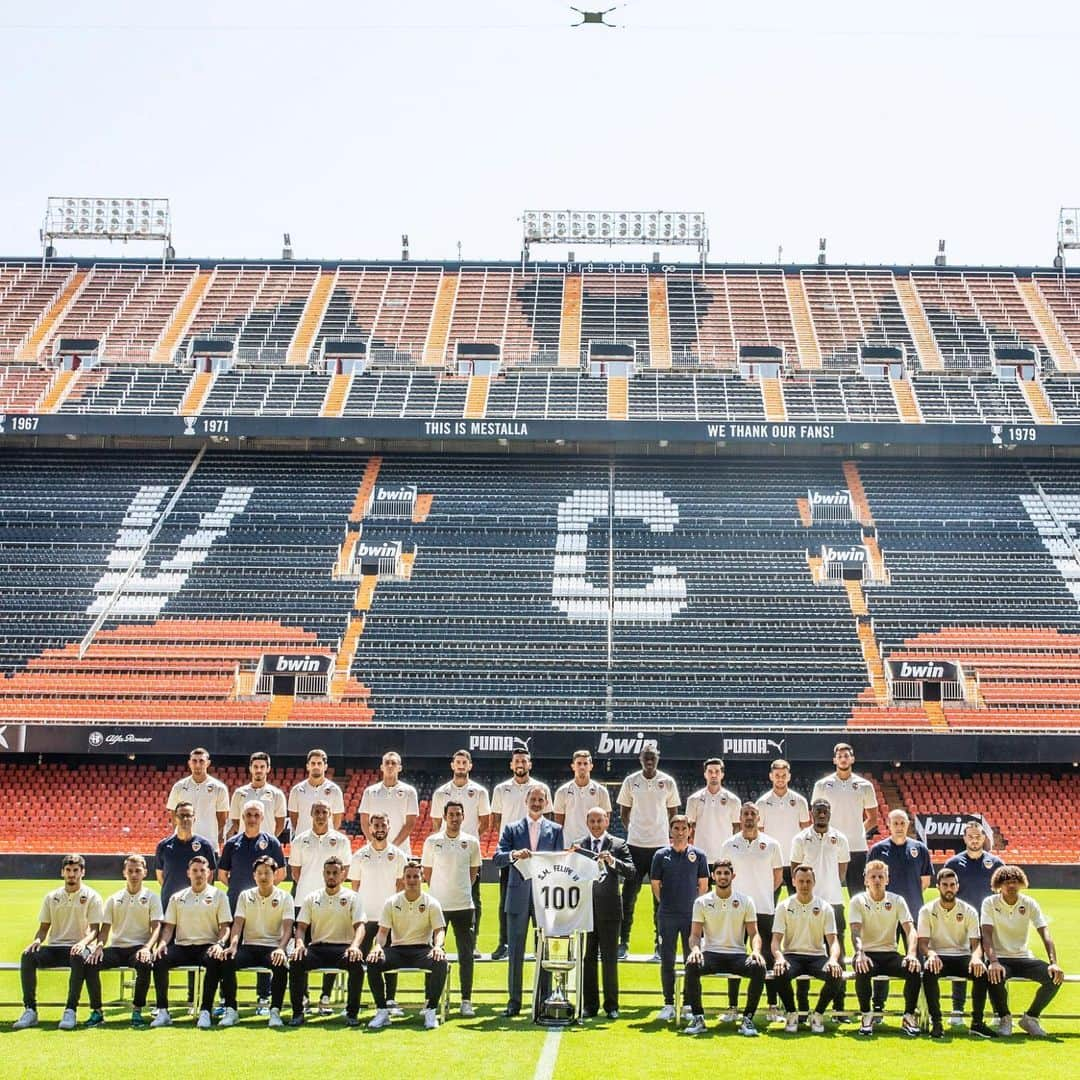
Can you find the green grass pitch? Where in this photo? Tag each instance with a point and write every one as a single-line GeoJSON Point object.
{"type": "Point", "coordinates": [491, 1047]}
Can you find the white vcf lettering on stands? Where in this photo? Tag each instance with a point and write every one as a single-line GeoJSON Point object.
{"type": "Point", "coordinates": [578, 598]}
{"type": "Point", "coordinates": [147, 594]}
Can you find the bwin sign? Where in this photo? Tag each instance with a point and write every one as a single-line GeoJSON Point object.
{"type": "Point", "coordinates": [924, 670]}
{"type": "Point", "coordinates": [297, 665]}
{"type": "Point", "coordinates": [843, 555]}
{"type": "Point", "coordinates": [405, 494]}
{"type": "Point", "coordinates": [379, 551]}
{"type": "Point", "coordinates": [632, 744]}
{"type": "Point", "coordinates": [840, 498]}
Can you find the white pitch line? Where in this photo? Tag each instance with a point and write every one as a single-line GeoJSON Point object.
{"type": "Point", "coordinates": [549, 1055]}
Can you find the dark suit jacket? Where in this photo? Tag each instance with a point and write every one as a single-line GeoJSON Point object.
{"type": "Point", "coordinates": [515, 837]}
{"type": "Point", "coordinates": [606, 893]}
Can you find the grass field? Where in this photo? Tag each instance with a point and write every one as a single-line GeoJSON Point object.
{"type": "Point", "coordinates": [492, 1047]}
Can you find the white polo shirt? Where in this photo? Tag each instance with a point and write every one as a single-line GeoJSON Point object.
{"type": "Point", "coordinates": [451, 863]}
{"type": "Point", "coordinates": [848, 799]}
{"type": "Point", "coordinates": [879, 918]}
{"type": "Point", "coordinates": [412, 922]}
{"type": "Point", "coordinates": [782, 816]}
{"type": "Point", "coordinates": [272, 799]}
{"type": "Point", "coordinates": [754, 862]}
{"type": "Point", "coordinates": [804, 926]}
{"type": "Point", "coordinates": [508, 799]}
{"type": "Point", "coordinates": [208, 799]}
{"type": "Point", "coordinates": [824, 852]}
{"type": "Point", "coordinates": [575, 801]}
{"type": "Point", "coordinates": [263, 915]}
{"type": "Point", "coordinates": [713, 817]}
{"type": "Point", "coordinates": [1010, 925]}
{"type": "Point", "coordinates": [302, 795]}
{"type": "Point", "coordinates": [198, 916]}
{"type": "Point", "coordinates": [395, 802]}
{"type": "Point", "coordinates": [472, 796]}
{"type": "Point", "coordinates": [70, 914]}
{"type": "Point", "coordinates": [332, 919]}
{"type": "Point", "coordinates": [131, 916]}
{"type": "Point", "coordinates": [949, 932]}
{"type": "Point", "coordinates": [309, 851]}
{"type": "Point", "coordinates": [375, 874]}
{"type": "Point", "coordinates": [648, 801]}
{"type": "Point", "coordinates": [724, 921]}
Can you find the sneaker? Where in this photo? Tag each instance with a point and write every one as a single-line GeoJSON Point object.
{"type": "Point", "coordinates": [352, 1021]}
{"type": "Point", "coordinates": [381, 1019]}
{"type": "Point", "coordinates": [791, 1023]}
{"type": "Point", "coordinates": [956, 1019]}
{"type": "Point", "coordinates": [297, 1020]}
{"type": "Point", "coordinates": [162, 1019]}
{"type": "Point", "coordinates": [95, 1019]}
{"type": "Point", "coordinates": [878, 1019]}
{"type": "Point", "coordinates": [666, 1013]}
{"type": "Point", "coordinates": [655, 958]}
{"type": "Point", "coordinates": [817, 1023]}
{"type": "Point", "coordinates": [867, 1025]}
{"type": "Point", "coordinates": [613, 1014]}
{"type": "Point", "coordinates": [774, 1015]}
{"type": "Point", "coordinates": [262, 1007]}
{"type": "Point", "coordinates": [841, 1018]}
{"type": "Point", "coordinates": [981, 1031]}
{"type": "Point", "coordinates": [467, 1010]}
{"type": "Point", "coordinates": [28, 1019]}
{"type": "Point", "coordinates": [203, 1023]}
{"type": "Point", "coordinates": [729, 1016]}
{"type": "Point", "coordinates": [501, 953]}
{"type": "Point", "coordinates": [219, 1012]}
{"type": "Point", "coordinates": [275, 1019]}
{"type": "Point", "coordinates": [687, 1012]}
{"type": "Point", "coordinates": [137, 1019]}
{"type": "Point", "coordinates": [910, 1026]}
{"type": "Point", "coordinates": [936, 1030]}
{"type": "Point", "coordinates": [1005, 1025]}
{"type": "Point", "coordinates": [477, 955]}
{"type": "Point", "coordinates": [325, 1008]}
{"type": "Point", "coordinates": [695, 1027]}
{"type": "Point", "coordinates": [229, 1017]}
{"type": "Point", "coordinates": [623, 953]}
{"type": "Point", "coordinates": [431, 1019]}
{"type": "Point", "coordinates": [747, 1027]}
{"type": "Point", "coordinates": [1032, 1026]}
{"type": "Point", "coordinates": [67, 1021]}
{"type": "Point", "coordinates": [396, 1011]}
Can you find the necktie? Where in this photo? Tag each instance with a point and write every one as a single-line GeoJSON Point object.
{"type": "Point", "coordinates": [596, 846]}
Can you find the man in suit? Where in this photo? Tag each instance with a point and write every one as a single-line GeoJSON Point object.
{"type": "Point", "coordinates": [518, 841]}
{"type": "Point", "coordinates": [603, 942]}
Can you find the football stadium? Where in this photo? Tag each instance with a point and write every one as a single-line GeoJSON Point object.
{"type": "Point", "coordinates": [377, 633]}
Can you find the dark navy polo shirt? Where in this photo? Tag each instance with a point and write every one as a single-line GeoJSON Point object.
{"type": "Point", "coordinates": [974, 875]}
{"type": "Point", "coordinates": [679, 873]}
{"type": "Point", "coordinates": [908, 863]}
{"type": "Point", "coordinates": [238, 856]}
{"type": "Point", "coordinates": [172, 858]}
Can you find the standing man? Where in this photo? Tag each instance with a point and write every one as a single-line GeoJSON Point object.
{"type": "Point", "coordinates": [783, 813]}
{"type": "Point", "coordinates": [195, 930]}
{"type": "Point", "coordinates": [133, 916]}
{"type": "Point", "coordinates": [396, 799]}
{"type": "Point", "coordinates": [316, 786]}
{"type": "Point", "coordinates": [854, 810]}
{"type": "Point", "coordinates": [416, 922]}
{"type": "Point", "coordinates": [1007, 916]}
{"type": "Point", "coordinates": [451, 864]}
{"type": "Point", "coordinates": [310, 850]}
{"type": "Point", "coordinates": [376, 872]}
{"type": "Point", "coordinates": [519, 839]}
{"type": "Point", "coordinates": [575, 798]}
{"type": "Point", "coordinates": [647, 802]}
{"type": "Point", "coordinates": [236, 870]}
{"type": "Point", "coordinates": [877, 918]}
{"type": "Point", "coordinates": [974, 867]}
{"type": "Point", "coordinates": [713, 811]}
{"type": "Point", "coordinates": [826, 850]}
{"type": "Point", "coordinates": [723, 922]}
{"type": "Point", "coordinates": [336, 920]}
{"type": "Point", "coordinates": [950, 944]}
{"type": "Point", "coordinates": [264, 922]}
{"type": "Point", "coordinates": [208, 796]}
{"type": "Point", "coordinates": [679, 875]}
{"type": "Point", "coordinates": [70, 918]}
{"type": "Point", "coordinates": [474, 797]}
{"type": "Point", "coordinates": [272, 798]}
{"type": "Point", "coordinates": [508, 805]}
{"type": "Point", "coordinates": [758, 863]}
{"type": "Point", "coordinates": [613, 855]}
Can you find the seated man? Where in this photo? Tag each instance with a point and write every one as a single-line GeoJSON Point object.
{"type": "Point", "coordinates": [876, 918]}
{"type": "Point", "coordinates": [1007, 915]}
{"type": "Point", "coordinates": [726, 920]}
{"type": "Point", "coordinates": [804, 924]}
{"type": "Point", "coordinates": [194, 931]}
{"type": "Point", "coordinates": [133, 919]}
{"type": "Point", "coordinates": [950, 944]}
{"type": "Point", "coordinates": [70, 917]}
{"type": "Point", "coordinates": [264, 922]}
{"type": "Point", "coordinates": [414, 920]}
{"type": "Point", "coordinates": [335, 917]}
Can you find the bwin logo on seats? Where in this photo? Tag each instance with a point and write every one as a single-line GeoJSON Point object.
{"type": "Point", "coordinates": [753, 747]}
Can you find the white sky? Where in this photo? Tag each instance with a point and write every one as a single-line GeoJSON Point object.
{"type": "Point", "coordinates": [879, 126]}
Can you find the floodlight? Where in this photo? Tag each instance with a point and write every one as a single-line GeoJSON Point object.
{"type": "Point", "coordinates": [615, 227]}
{"type": "Point", "coordinates": [80, 217]}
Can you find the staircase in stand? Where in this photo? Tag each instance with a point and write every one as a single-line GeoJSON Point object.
{"type": "Point", "coordinates": [659, 324]}
{"type": "Point", "coordinates": [803, 323]}
{"type": "Point", "coordinates": [439, 330]}
{"type": "Point", "coordinates": [570, 323]}
{"type": "Point", "coordinates": [925, 344]}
